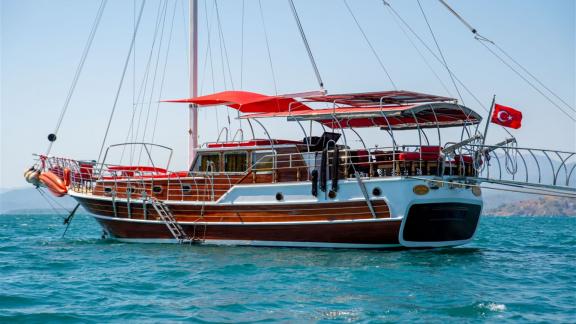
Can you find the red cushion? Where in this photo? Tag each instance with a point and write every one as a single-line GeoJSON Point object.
{"type": "Point", "coordinates": [417, 156]}
{"type": "Point", "coordinates": [430, 149]}
{"type": "Point", "coordinates": [465, 159]}
{"type": "Point", "coordinates": [362, 157]}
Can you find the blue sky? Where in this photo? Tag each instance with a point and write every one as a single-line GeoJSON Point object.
{"type": "Point", "coordinates": [41, 44]}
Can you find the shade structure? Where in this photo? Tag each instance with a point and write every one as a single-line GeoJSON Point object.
{"type": "Point", "coordinates": [247, 102]}
{"type": "Point", "coordinates": [379, 98]}
{"type": "Point", "coordinates": [428, 115]}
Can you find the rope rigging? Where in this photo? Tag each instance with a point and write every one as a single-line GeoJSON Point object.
{"type": "Point", "coordinates": [305, 40]}
{"type": "Point", "coordinates": [95, 24]}
{"type": "Point", "coordinates": [143, 88]}
{"type": "Point", "coordinates": [127, 61]}
{"type": "Point", "coordinates": [486, 42]}
{"type": "Point", "coordinates": [268, 47]}
{"type": "Point", "coordinates": [163, 74]}
{"type": "Point", "coordinates": [438, 59]}
{"type": "Point", "coordinates": [370, 44]}
{"type": "Point", "coordinates": [444, 62]}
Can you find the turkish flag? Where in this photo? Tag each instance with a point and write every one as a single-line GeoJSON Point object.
{"type": "Point", "coordinates": [506, 116]}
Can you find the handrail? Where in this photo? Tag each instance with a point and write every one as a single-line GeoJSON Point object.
{"type": "Point", "coordinates": [475, 162]}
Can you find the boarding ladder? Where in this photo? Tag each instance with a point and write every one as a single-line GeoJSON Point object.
{"type": "Point", "coordinates": [170, 222]}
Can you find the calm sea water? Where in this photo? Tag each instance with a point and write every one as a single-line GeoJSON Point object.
{"type": "Point", "coordinates": [518, 269]}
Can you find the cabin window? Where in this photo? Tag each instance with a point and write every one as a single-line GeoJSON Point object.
{"type": "Point", "coordinates": [235, 162]}
{"type": "Point", "coordinates": [186, 188]}
{"type": "Point", "coordinates": [208, 162]}
{"type": "Point", "coordinates": [263, 161]}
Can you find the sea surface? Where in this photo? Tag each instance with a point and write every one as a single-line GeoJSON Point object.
{"type": "Point", "coordinates": [518, 269]}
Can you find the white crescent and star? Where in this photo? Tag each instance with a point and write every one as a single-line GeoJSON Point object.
{"type": "Point", "coordinates": [503, 116]}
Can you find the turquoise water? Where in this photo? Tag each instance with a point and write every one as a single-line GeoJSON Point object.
{"type": "Point", "coordinates": [517, 269]}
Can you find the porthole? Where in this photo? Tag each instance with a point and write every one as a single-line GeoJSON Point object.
{"type": "Point", "coordinates": [157, 189]}
{"type": "Point", "coordinates": [279, 196]}
{"type": "Point", "coordinates": [186, 188]}
{"type": "Point", "coordinates": [376, 192]}
{"type": "Point", "coordinates": [332, 194]}
{"type": "Point", "coordinates": [130, 190]}
{"type": "Point", "coordinates": [107, 190]}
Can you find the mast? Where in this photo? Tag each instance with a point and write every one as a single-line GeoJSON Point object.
{"type": "Point", "coordinates": [193, 82]}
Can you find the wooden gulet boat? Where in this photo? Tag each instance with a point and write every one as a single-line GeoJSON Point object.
{"type": "Point", "coordinates": [317, 192]}
{"type": "Point", "coordinates": [314, 191]}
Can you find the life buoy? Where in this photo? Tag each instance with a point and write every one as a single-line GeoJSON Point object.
{"type": "Point", "coordinates": [31, 175]}
{"type": "Point", "coordinates": [66, 175]}
{"type": "Point", "coordinates": [53, 183]}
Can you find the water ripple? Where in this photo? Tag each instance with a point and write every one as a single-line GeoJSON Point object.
{"type": "Point", "coordinates": [517, 269]}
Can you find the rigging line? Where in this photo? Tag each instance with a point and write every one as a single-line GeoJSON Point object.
{"type": "Point", "coordinates": [445, 64]}
{"type": "Point", "coordinates": [413, 32]}
{"type": "Point", "coordinates": [222, 64]}
{"type": "Point", "coordinates": [163, 73]}
{"type": "Point", "coordinates": [531, 75]}
{"type": "Point", "coordinates": [223, 43]}
{"type": "Point", "coordinates": [370, 45]}
{"type": "Point", "coordinates": [134, 56]}
{"type": "Point", "coordinates": [185, 25]}
{"type": "Point", "coordinates": [242, 48]}
{"type": "Point", "coordinates": [440, 51]}
{"type": "Point", "coordinates": [165, 11]}
{"type": "Point", "coordinates": [141, 93]}
{"type": "Point", "coordinates": [145, 130]}
{"type": "Point", "coordinates": [48, 200]}
{"type": "Point", "coordinates": [482, 38]}
{"type": "Point", "coordinates": [305, 40]}
{"type": "Point", "coordinates": [209, 53]}
{"type": "Point", "coordinates": [79, 69]}
{"type": "Point", "coordinates": [223, 57]}
{"type": "Point", "coordinates": [428, 64]}
{"type": "Point", "coordinates": [144, 90]}
{"type": "Point", "coordinates": [241, 61]}
{"type": "Point", "coordinates": [527, 81]}
{"type": "Point", "coordinates": [121, 81]}
{"type": "Point", "coordinates": [268, 47]}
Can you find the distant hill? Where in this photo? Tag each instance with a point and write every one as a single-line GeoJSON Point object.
{"type": "Point", "coordinates": [541, 206]}
{"type": "Point", "coordinates": [29, 200]}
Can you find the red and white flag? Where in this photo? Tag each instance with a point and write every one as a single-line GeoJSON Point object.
{"type": "Point", "coordinates": [506, 116]}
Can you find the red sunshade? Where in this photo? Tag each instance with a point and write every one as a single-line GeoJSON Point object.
{"type": "Point", "coordinates": [430, 115]}
{"type": "Point", "coordinates": [379, 98]}
{"type": "Point", "coordinates": [245, 101]}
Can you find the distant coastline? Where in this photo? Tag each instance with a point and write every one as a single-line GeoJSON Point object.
{"type": "Point", "coordinates": [541, 206]}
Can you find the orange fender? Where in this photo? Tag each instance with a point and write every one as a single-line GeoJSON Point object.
{"type": "Point", "coordinates": [53, 183]}
{"type": "Point", "coordinates": [66, 177]}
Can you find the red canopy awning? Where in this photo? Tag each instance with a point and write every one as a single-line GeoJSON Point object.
{"type": "Point", "coordinates": [247, 102]}
{"type": "Point", "coordinates": [429, 115]}
{"type": "Point", "coordinates": [398, 97]}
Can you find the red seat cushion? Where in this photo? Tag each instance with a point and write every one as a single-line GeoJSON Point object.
{"type": "Point", "coordinates": [465, 159]}
{"type": "Point", "coordinates": [417, 156]}
{"type": "Point", "coordinates": [362, 158]}
{"type": "Point", "coordinates": [430, 149]}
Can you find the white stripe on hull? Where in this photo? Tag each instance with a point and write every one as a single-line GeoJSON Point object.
{"type": "Point", "coordinates": [267, 243]}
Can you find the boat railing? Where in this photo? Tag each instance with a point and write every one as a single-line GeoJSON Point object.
{"type": "Point", "coordinates": [498, 164]}
{"type": "Point", "coordinates": [524, 166]}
